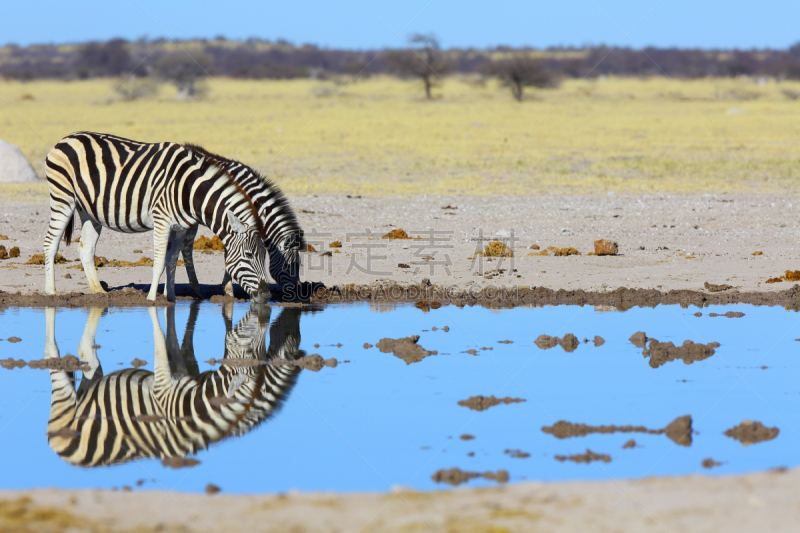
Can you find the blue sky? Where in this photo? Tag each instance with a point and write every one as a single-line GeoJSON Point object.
{"type": "Point", "coordinates": [375, 24]}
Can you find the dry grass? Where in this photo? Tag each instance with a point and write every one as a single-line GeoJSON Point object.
{"type": "Point", "coordinates": [380, 137]}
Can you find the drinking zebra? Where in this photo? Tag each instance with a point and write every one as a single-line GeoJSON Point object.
{"type": "Point", "coordinates": [169, 188]}
{"type": "Point", "coordinates": [174, 411]}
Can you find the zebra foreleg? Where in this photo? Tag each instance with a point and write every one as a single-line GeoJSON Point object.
{"type": "Point", "coordinates": [174, 244]}
{"type": "Point", "coordinates": [187, 249]}
{"type": "Point", "coordinates": [87, 349]}
{"type": "Point", "coordinates": [60, 218]}
{"type": "Point", "coordinates": [227, 284]}
{"type": "Point", "coordinates": [161, 233]}
{"type": "Point", "coordinates": [90, 234]}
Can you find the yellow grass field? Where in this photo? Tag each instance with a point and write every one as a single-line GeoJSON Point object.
{"type": "Point", "coordinates": [380, 137]}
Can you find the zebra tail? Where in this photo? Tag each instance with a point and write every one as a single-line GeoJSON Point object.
{"type": "Point", "coordinates": [68, 231]}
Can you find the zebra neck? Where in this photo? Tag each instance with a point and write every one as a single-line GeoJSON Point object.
{"type": "Point", "coordinates": [215, 193]}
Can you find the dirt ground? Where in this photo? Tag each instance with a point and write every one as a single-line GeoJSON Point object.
{"type": "Point", "coordinates": [755, 502]}
{"type": "Point", "coordinates": [665, 243]}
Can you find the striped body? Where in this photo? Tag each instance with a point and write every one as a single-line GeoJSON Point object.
{"type": "Point", "coordinates": [135, 413]}
{"type": "Point", "coordinates": [169, 188]}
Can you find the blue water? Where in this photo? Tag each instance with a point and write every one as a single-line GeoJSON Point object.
{"type": "Point", "coordinates": [375, 422]}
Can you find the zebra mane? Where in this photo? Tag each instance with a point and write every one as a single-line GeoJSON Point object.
{"type": "Point", "coordinates": [281, 203]}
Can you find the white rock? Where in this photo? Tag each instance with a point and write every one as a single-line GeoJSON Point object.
{"type": "Point", "coordinates": [14, 168]}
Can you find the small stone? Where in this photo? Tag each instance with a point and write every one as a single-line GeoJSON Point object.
{"type": "Point", "coordinates": [534, 247]}
{"type": "Point", "coordinates": [605, 247]}
{"type": "Point", "coordinates": [212, 489]}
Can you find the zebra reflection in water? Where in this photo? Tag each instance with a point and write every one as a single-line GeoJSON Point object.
{"type": "Point", "coordinates": [174, 411]}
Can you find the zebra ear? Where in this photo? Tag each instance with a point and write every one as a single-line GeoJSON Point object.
{"type": "Point", "coordinates": [236, 224]}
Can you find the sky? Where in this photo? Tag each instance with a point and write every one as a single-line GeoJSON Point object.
{"type": "Point", "coordinates": [371, 24]}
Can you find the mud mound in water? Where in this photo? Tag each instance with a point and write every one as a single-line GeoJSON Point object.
{"type": "Point", "coordinates": [482, 403]}
{"type": "Point", "coordinates": [405, 348]}
{"type": "Point", "coordinates": [679, 430]}
{"type": "Point", "coordinates": [179, 462]}
{"type": "Point", "coordinates": [710, 463]}
{"type": "Point", "coordinates": [752, 432]}
{"type": "Point", "coordinates": [569, 342]}
{"type": "Point", "coordinates": [214, 244]}
{"type": "Point", "coordinates": [588, 457]}
{"type": "Point", "coordinates": [11, 364]}
{"type": "Point", "coordinates": [729, 314]}
{"type": "Point", "coordinates": [456, 476]}
{"type": "Point", "coordinates": [661, 353]}
{"type": "Point", "coordinates": [69, 363]}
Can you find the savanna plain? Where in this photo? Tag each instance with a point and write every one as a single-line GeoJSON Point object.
{"type": "Point", "coordinates": [696, 181]}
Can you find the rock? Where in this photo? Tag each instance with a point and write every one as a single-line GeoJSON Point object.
{"type": "Point", "coordinates": [14, 167]}
{"type": "Point", "coordinates": [605, 247]}
{"type": "Point", "coordinates": [534, 247]}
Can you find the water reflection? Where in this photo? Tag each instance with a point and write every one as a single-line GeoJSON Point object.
{"type": "Point", "coordinates": [174, 411]}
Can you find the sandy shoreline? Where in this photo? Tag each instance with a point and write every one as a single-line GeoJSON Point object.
{"type": "Point", "coordinates": [667, 243]}
{"type": "Point", "coordinates": [753, 502]}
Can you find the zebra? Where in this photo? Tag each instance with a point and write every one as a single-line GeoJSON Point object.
{"type": "Point", "coordinates": [174, 411]}
{"type": "Point", "coordinates": [131, 186]}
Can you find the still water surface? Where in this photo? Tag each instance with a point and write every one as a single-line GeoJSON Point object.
{"type": "Point", "coordinates": [374, 422]}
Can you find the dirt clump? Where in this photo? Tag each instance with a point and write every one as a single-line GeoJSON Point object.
{"type": "Point", "coordinates": [679, 430]}
{"type": "Point", "coordinates": [100, 261]}
{"type": "Point", "coordinates": [335, 244]}
{"type": "Point", "coordinates": [70, 363]}
{"type": "Point", "coordinates": [774, 280]}
{"type": "Point", "coordinates": [403, 265]}
{"type": "Point", "coordinates": [367, 346]}
{"type": "Point", "coordinates": [214, 244]}
{"type": "Point", "coordinates": [179, 462]}
{"type": "Point", "coordinates": [599, 341]}
{"type": "Point", "coordinates": [397, 233]}
{"type": "Point", "coordinates": [792, 275]}
{"type": "Point", "coordinates": [605, 247]}
{"type": "Point", "coordinates": [496, 249]}
{"type": "Point", "coordinates": [38, 259]}
{"type": "Point", "coordinates": [456, 476]}
{"type": "Point", "coordinates": [710, 287]}
{"type": "Point", "coordinates": [482, 403]}
{"type": "Point", "coordinates": [710, 463]}
{"type": "Point", "coordinates": [11, 364]}
{"type": "Point", "coordinates": [568, 343]}
{"type": "Point", "coordinates": [13, 252]}
{"type": "Point", "coordinates": [588, 457]}
{"type": "Point", "coordinates": [14, 340]}
{"type": "Point", "coordinates": [749, 432]}
{"type": "Point", "coordinates": [729, 314]}
{"type": "Point", "coordinates": [136, 363]}
{"type": "Point", "coordinates": [629, 444]}
{"type": "Point", "coordinates": [505, 342]}
{"type": "Point", "coordinates": [310, 248]}
{"type": "Point", "coordinates": [212, 489]}
{"type": "Point", "coordinates": [467, 436]}
{"type": "Point", "coordinates": [3, 252]}
{"type": "Point", "coordinates": [534, 247]}
{"type": "Point", "coordinates": [405, 348]}
{"type": "Point", "coordinates": [3, 237]}
{"type": "Point", "coordinates": [563, 252]}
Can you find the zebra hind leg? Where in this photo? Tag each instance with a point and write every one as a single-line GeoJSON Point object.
{"type": "Point", "coordinates": [187, 249]}
{"type": "Point", "coordinates": [173, 249]}
{"type": "Point", "coordinates": [90, 234]}
{"type": "Point", "coordinates": [161, 234]}
{"type": "Point", "coordinates": [61, 214]}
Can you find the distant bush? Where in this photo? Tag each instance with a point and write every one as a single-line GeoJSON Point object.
{"type": "Point", "coordinates": [184, 69]}
{"type": "Point", "coordinates": [521, 71]}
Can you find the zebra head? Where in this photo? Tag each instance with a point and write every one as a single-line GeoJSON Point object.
{"type": "Point", "coordinates": [284, 258]}
{"type": "Point", "coordinates": [245, 259]}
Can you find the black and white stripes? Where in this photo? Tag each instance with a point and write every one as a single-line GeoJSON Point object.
{"type": "Point", "coordinates": [170, 188]}
{"type": "Point", "coordinates": [173, 412]}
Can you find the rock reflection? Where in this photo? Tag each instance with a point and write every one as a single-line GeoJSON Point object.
{"type": "Point", "coordinates": [174, 411]}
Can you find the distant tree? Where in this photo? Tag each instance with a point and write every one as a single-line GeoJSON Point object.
{"type": "Point", "coordinates": [521, 71]}
{"type": "Point", "coordinates": [423, 60]}
{"type": "Point", "coordinates": [184, 70]}
{"type": "Point", "coordinates": [104, 59]}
